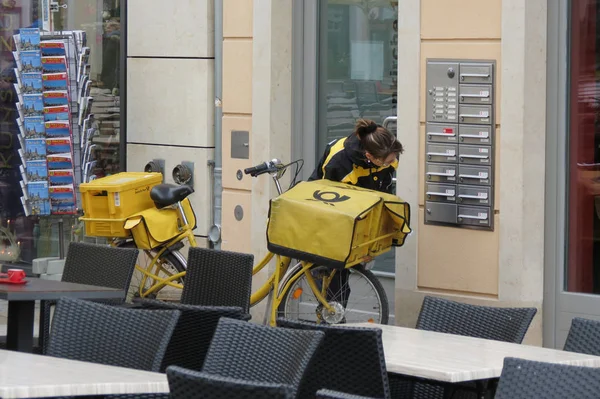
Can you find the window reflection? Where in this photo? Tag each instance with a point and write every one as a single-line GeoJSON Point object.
{"type": "Point", "coordinates": [357, 71]}
{"type": "Point", "coordinates": [23, 238]}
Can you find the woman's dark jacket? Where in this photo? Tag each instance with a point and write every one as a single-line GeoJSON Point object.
{"type": "Point", "coordinates": [344, 161]}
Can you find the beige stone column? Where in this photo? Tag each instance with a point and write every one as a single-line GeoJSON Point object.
{"type": "Point", "coordinates": [503, 267]}
{"type": "Point", "coordinates": [522, 158]}
{"type": "Point", "coordinates": [271, 112]}
{"type": "Point", "coordinates": [408, 176]}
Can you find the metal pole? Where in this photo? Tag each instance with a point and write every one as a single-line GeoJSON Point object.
{"type": "Point", "coordinates": [61, 239]}
{"type": "Point", "coordinates": [215, 233]}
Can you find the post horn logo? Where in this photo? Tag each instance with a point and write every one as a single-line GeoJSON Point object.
{"type": "Point", "coordinates": [328, 197]}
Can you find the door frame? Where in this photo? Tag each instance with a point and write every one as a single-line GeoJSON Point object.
{"type": "Point", "coordinates": [304, 83]}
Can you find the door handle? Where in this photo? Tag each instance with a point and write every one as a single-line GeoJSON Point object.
{"type": "Point", "coordinates": [481, 135]}
{"type": "Point", "coordinates": [484, 114]}
{"type": "Point", "coordinates": [481, 216]}
{"type": "Point", "coordinates": [447, 174]}
{"type": "Point", "coordinates": [484, 175]}
{"type": "Point", "coordinates": [486, 95]}
{"type": "Point", "coordinates": [484, 196]}
{"type": "Point", "coordinates": [474, 75]}
{"type": "Point", "coordinates": [441, 134]}
{"type": "Point", "coordinates": [449, 153]}
{"type": "Point", "coordinates": [450, 193]}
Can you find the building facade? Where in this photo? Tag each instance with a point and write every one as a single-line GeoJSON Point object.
{"type": "Point", "coordinates": [228, 84]}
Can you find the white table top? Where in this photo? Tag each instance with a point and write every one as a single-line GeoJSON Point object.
{"type": "Point", "coordinates": [455, 358]}
{"type": "Point", "coordinates": [23, 375]}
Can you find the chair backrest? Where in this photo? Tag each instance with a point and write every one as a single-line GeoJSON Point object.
{"type": "Point", "coordinates": [261, 353]}
{"type": "Point", "coordinates": [350, 360]}
{"type": "Point", "coordinates": [100, 265]}
{"type": "Point", "coordinates": [99, 333]}
{"type": "Point", "coordinates": [500, 324]}
{"type": "Point", "coordinates": [189, 384]}
{"type": "Point", "coordinates": [218, 278]}
{"type": "Point", "coordinates": [584, 337]}
{"type": "Point", "coordinates": [525, 379]}
{"type": "Point", "coordinates": [194, 332]}
{"type": "Point", "coordinates": [329, 394]}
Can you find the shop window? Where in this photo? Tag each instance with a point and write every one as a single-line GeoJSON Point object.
{"type": "Point", "coordinates": [357, 71]}
{"type": "Point", "coordinates": [88, 34]}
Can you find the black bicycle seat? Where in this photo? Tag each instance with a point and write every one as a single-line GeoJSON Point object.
{"type": "Point", "coordinates": [169, 194]}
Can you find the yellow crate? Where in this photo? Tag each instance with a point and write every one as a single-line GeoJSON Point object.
{"type": "Point", "coordinates": [107, 202]}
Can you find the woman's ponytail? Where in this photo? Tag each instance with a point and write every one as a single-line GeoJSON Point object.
{"type": "Point", "coordinates": [364, 128]}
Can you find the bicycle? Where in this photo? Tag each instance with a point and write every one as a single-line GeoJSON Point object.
{"type": "Point", "coordinates": [301, 291]}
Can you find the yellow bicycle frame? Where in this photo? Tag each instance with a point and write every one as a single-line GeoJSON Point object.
{"type": "Point", "coordinates": [271, 285]}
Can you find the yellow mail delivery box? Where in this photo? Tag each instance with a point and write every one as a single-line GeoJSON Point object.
{"type": "Point", "coordinates": [335, 224]}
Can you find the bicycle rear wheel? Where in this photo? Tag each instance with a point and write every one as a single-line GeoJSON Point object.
{"type": "Point", "coordinates": [172, 262]}
{"type": "Point", "coordinates": [366, 300]}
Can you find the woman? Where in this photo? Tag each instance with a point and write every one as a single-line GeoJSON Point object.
{"type": "Point", "coordinates": [367, 158]}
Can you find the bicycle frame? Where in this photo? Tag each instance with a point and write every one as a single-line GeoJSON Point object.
{"type": "Point", "coordinates": [271, 286]}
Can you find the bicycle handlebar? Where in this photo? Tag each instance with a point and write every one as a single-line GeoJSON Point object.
{"type": "Point", "coordinates": [265, 167]}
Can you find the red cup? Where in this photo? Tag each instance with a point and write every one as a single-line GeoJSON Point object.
{"type": "Point", "coordinates": [15, 275]}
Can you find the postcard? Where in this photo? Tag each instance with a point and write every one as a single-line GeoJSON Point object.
{"type": "Point", "coordinates": [59, 161]}
{"type": "Point", "coordinates": [32, 82]}
{"type": "Point", "coordinates": [56, 146]}
{"type": "Point", "coordinates": [54, 64]}
{"type": "Point", "coordinates": [37, 170]}
{"type": "Point", "coordinates": [35, 149]}
{"type": "Point", "coordinates": [33, 105]}
{"type": "Point", "coordinates": [53, 48]}
{"type": "Point", "coordinates": [34, 127]}
{"type": "Point", "coordinates": [58, 129]}
{"type": "Point", "coordinates": [56, 97]}
{"type": "Point", "coordinates": [55, 81]}
{"type": "Point", "coordinates": [60, 177]}
{"type": "Point", "coordinates": [62, 200]}
{"type": "Point", "coordinates": [31, 61]}
{"type": "Point", "coordinates": [57, 113]}
{"type": "Point", "coordinates": [29, 39]}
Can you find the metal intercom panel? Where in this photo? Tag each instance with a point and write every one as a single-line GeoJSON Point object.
{"type": "Point", "coordinates": [460, 143]}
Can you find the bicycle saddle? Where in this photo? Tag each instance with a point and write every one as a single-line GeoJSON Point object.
{"type": "Point", "coordinates": [169, 194]}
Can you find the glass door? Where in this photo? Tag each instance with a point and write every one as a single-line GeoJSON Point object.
{"type": "Point", "coordinates": [357, 67]}
{"type": "Point", "coordinates": [576, 163]}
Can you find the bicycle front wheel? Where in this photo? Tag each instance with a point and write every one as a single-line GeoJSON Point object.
{"type": "Point", "coordinates": [355, 294]}
{"type": "Point", "coordinates": [167, 265]}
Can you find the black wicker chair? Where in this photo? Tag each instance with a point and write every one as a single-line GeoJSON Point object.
{"type": "Point", "coordinates": [218, 278]}
{"type": "Point", "coordinates": [349, 360]}
{"type": "Point", "coordinates": [450, 317]}
{"type": "Point", "coordinates": [329, 394]}
{"type": "Point", "coordinates": [526, 379]}
{"type": "Point", "coordinates": [188, 384]}
{"type": "Point", "coordinates": [90, 264]}
{"type": "Point", "coordinates": [488, 322]}
{"type": "Point", "coordinates": [259, 353]}
{"type": "Point", "coordinates": [584, 337]}
{"type": "Point", "coordinates": [194, 331]}
{"type": "Point", "coordinates": [99, 333]}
